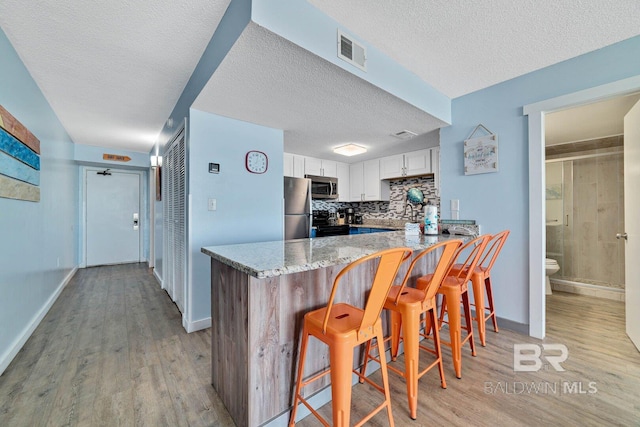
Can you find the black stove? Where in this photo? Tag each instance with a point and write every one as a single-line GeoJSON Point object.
{"type": "Point", "coordinates": [332, 230]}
{"type": "Point", "coordinates": [326, 226]}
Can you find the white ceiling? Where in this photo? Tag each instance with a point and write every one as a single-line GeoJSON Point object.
{"type": "Point", "coordinates": [113, 71]}
{"type": "Point", "coordinates": [319, 105]}
{"type": "Point", "coordinates": [591, 121]}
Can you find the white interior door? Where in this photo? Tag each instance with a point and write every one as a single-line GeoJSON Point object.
{"type": "Point", "coordinates": [631, 209]}
{"type": "Point", "coordinates": [112, 217]}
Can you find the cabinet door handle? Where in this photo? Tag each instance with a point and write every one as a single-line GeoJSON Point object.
{"type": "Point", "coordinates": [621, 236]}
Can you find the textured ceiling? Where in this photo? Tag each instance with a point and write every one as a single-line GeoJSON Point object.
{"type": "Point", "coordinates": [113, 70]}
{"type": "Point", "coordinates": [270, 81]}
{"type": "Point", "coordinates": [461, 46]}
{"type": "Point", "coordinates": [591, 121]}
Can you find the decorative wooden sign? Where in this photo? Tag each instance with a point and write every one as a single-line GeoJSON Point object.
{"type": "Point", "coordinates": [481, 153]}
{"type": "Point", "coordinates": [19, 160]}
{"type": "Point", "coordinates": [115, 158]}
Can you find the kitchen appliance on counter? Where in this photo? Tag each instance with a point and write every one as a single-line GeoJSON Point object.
{"type": "Point", "coordinates": [323, 187]}
{"type": "Point", "coordinates": [350, 215]}
{"type": "Point", "coordinates": [297, 208]}
{"type": "Point", "coordinates": [357, 218]}
{"type": "Point", "coordinates": [326, 224]}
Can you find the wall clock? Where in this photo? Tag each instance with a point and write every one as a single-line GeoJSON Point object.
{"type": "Point", "coordinates": [256, 161]}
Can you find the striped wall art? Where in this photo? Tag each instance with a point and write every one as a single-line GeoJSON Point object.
{"type": "Point", "coordinates": [19, 160]}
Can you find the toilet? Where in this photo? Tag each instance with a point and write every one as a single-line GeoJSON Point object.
{"type": "Point", "coordinates": [551, 267]}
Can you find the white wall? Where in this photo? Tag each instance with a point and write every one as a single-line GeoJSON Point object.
{"type": "Point", "coordinates": [38, 241]}
{"type": "Point", "coordinates": [249, 206]}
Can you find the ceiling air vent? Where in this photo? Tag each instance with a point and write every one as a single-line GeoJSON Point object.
{"type": "Point", "coordinates": [404, 134]}
{"type": "Point", "coordinates": [352, 51]}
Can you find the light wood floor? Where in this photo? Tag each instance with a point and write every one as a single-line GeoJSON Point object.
{"type": "Point", "coordinates": [112, 351]}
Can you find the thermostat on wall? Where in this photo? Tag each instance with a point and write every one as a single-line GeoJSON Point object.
{"type": "Point", "coordinates": [214, 167]}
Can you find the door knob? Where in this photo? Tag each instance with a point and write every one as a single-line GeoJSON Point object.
{"type": "Point", "coordinates": [621, 236]}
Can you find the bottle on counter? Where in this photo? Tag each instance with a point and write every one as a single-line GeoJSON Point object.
{"type": "Point", "coordinates": [430, 219]}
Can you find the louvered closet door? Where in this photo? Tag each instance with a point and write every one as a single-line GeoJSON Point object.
{"type": "Point", "coordinates": [174, 186]}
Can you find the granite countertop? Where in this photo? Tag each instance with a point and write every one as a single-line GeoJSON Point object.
{"type": "Point", "coordinates": [269, 259]}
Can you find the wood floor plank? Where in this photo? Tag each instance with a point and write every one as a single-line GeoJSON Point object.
{"type": "Point", "coordinates": [491, 393]}
{"type": "Point", "coordinates": [112, 352]}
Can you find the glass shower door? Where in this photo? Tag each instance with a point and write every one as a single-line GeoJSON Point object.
{"type": "Point", "coordinates": [555, 212]}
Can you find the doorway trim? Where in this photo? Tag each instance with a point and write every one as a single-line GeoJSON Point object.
{"type": "Point", "coordinates": [82, 243]}
{"type": "Point", "coordinates": [537, 233]}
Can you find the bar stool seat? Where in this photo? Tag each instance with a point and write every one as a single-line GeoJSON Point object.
{"type": "Point", "coordinates": [343, 327]}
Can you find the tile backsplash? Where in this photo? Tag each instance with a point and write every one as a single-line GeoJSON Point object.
{"type": "Point", "coordinates": [395, 207]}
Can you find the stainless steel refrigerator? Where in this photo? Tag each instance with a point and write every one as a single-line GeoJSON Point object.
{"type": "Point", "coordinates": [297, 208]}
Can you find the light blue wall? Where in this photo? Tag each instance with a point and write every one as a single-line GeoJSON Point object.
{"type": "Point", "coordinates": [249, 206]}
{"type": "Point", "coordinates": [231, 26]}
{"type": "Point", "coordinates": [34, 236]}
{"type": "Point", "coordinates": [500, 200]}
{"type": "Point", "coordinates": [311, 29]}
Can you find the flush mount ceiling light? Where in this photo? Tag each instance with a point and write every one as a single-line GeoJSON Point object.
{"type": "Point", "coordinates": [349, 150]}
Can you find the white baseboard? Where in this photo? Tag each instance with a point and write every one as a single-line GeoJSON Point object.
{"type": "Point", "coordinates": [17, 345]}
{"type": "Point", "coordinates": [587, 289]}
{"type": "Point", "coordinates": [197, 325]}
{"type": "Point", "coordinates": [158, 278]}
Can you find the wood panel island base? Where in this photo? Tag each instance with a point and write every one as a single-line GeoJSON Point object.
{"type": "Point", "coordinates": [259, 295]}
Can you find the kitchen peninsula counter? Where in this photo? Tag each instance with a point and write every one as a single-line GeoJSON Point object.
{"type": "Point", "coordinates": [259, 295]}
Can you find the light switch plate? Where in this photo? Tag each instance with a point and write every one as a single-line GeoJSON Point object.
{"type": "Point", "coordinates": [455, 204]}
{"type": "Point", "coordinates": [213, 204]}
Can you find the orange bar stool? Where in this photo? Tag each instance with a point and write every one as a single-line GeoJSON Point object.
{"type": "Point", "coordinates": [481, 282]}
{"type": "Point", "coordinates": [407, 305]}
{"type": "Point", "coordinates": [343, 327]}
{"type": "Point", "coordinates": [454, 288]}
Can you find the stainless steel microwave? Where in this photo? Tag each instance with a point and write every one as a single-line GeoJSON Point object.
{"type": "Point", "coordinates": [323, 187]}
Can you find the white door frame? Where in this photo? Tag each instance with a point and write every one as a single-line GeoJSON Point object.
{"type": "Point", "coordinates": [537, 237]}
{"type": "Point", "coordinates": [83, 220]}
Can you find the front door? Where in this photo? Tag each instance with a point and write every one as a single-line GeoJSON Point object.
{"type": "Point", "coordinates": [632, 232]}
{"type": "Point", "coordinates": [112, 217]}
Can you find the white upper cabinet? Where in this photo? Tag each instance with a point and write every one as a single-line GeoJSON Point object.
{"type": "Point", "coordinates": [413, 163]}
{"type": "Point", "coordinates": [417, 163]}
{"type": "Point", "coordinates": [343, 182]}
{"type": "Point", "coordinates": [435, 168]}
{"type": "Point", "coordinates": [392, 166]}
{"type": "Point", "coordinates": [319, 167]}
{"type": "Point", "coordinates": [365, 183]}
{"type": "Point", "coordinates": [293, 165]}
